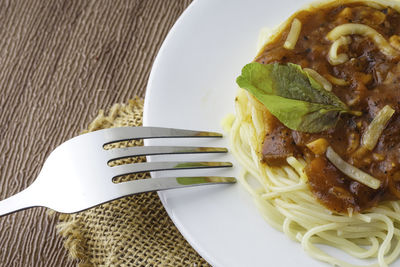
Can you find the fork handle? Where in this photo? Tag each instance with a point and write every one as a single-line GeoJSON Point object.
{"type": "Point", "coordinates": [31, 197]}
{"type": "Point", "coordinates": [22, 200]}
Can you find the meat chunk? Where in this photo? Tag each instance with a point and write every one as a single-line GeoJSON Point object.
{"type": "Point", "coordinates": [278, 145]}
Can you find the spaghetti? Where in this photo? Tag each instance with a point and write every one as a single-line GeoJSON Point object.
{"type": "Point", "coordinates": [282, 193]}
{"type": "Point", "coordinates": [287, 204]}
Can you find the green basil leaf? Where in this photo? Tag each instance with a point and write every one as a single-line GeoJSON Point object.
{"type": "Point", "coordinates": [292, 96]}
{"type": "Point", "coordinates": [301, 115]}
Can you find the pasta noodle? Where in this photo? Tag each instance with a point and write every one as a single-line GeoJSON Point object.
{"type": "Point", "coordinates": [333, 57]}
{"type": "Point", "coordinates": [337, 81]}
{"type": "Point", "coordinates": [288, 205]}
{"type": "Point", "coordinates": [282, 194]}
{"type": "Point", "coordinates": [361, 29]}
{"type": "Point", "coordinates": [293, 35]}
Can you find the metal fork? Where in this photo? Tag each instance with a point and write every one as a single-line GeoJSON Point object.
{"type": "Point", "coordinates": [76, 176]}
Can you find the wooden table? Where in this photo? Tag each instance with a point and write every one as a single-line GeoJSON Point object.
{"type": "Point", "coordinates": [60, 62]}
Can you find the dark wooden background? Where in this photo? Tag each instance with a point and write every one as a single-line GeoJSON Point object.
{"type": "Point", "coordinates": [60, 62]}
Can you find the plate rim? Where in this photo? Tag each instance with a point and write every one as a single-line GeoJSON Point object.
{"type": "Point", "coordinates": [182, 230]}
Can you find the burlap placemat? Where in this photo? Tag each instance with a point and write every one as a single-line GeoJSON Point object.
{"type": "Point", "coordinates": [133, 231]}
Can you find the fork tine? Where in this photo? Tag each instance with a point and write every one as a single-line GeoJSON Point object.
{"type": "Point", "coordinates": [125, 152]}
{"type": "Point", "coordinates": [163, 166]}
{"type": "Point", "coordinates": [127, 133]}
{"type": "Point", "coordinates": [148, 185]}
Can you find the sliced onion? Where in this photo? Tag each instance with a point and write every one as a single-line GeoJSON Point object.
{"type": "Point", "coordinates": [352, 171]}
{"type": "Point", "coordinates": [376, 127]}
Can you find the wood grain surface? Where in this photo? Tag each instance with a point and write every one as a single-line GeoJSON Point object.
{"type": "Point", "coordinates": [60, 62]}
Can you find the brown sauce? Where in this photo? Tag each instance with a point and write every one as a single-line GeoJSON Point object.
{"type": "Point", "coordinates": [373, 82]}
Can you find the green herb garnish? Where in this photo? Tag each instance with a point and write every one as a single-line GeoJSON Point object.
{"type": "Point", "coordinates": [292, 96]}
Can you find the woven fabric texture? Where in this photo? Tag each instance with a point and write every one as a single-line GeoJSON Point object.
{"type": "Point", "coordinates": [133, 231]}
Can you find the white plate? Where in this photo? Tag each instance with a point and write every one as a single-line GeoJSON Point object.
{"type": "Point", "coordinates": [192, 85]}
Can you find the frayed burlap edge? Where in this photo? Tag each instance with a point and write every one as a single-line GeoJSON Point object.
{"type": "Point", "coordinates": [133, 231]}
